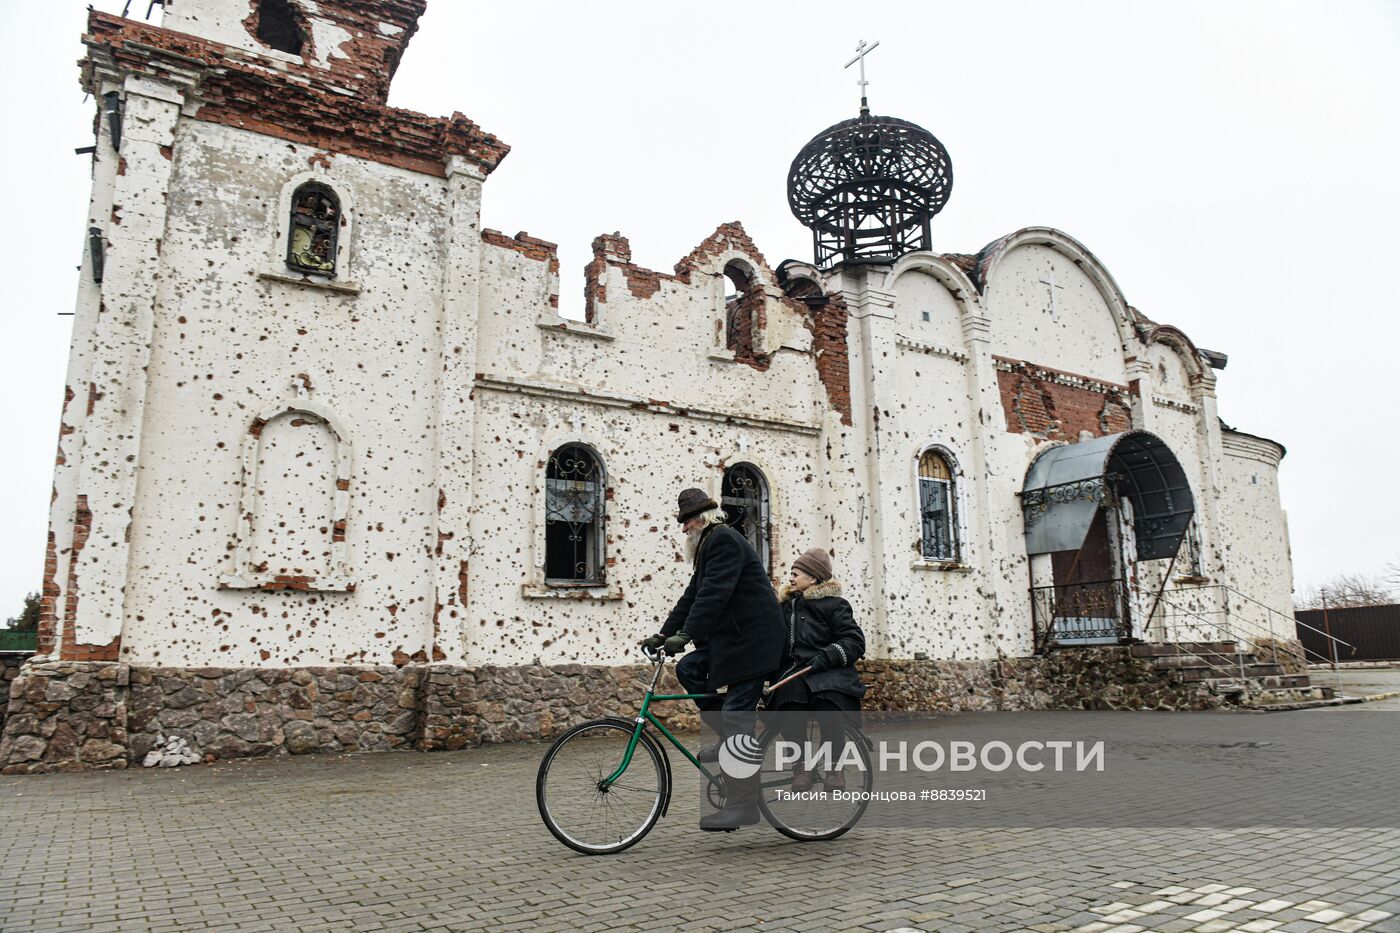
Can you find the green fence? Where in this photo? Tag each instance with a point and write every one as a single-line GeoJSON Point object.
{"type": "Point", "coordinates": [19, 641]}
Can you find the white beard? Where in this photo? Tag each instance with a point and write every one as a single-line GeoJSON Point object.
{"type": "Point", "coordinates": [692, 544]}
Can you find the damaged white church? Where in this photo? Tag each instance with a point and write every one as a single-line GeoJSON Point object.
{"type": "Point", "coordinates": [331, 459]}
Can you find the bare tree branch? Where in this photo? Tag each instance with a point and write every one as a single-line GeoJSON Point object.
{"type": "Point", "coordinates": [1350, 589]}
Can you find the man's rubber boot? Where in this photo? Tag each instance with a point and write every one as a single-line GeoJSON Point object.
{"type": "Point", "coordinates": [709, 754]}
{"type": "Point", "coordinates": [728, 819]}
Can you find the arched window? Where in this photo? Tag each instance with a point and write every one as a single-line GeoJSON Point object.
{"type": "Point", "coordinates": [937, 504]}
{"type": "Point", "coordinates": [574, 517]}
{"type": "Point", "coordinates": [744, 498]}
{"type": "Point", "coordinates": [314, 229]}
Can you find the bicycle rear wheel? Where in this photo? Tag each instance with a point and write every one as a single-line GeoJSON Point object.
{"type": "Point", "coordinates": [837, 796]}
{"type": "Point", "coordinates": [578, 809]}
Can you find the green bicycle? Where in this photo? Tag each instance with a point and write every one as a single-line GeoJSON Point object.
{"type": "Point", "coordinates": [603, 784]}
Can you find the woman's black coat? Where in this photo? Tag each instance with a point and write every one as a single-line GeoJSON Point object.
{"type": "Point", "coordinates": [730, 608]}
{"type": "Point", "coordinates": [819, 619]}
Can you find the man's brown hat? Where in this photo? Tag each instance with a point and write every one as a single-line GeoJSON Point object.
{"type": "Point", "coordinates": [692, 502]}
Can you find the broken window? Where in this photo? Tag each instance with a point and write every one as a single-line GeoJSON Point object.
{"type": "Point", "coordinates": [278, 26]}
{"type": "Point", "coordinates": [937, 502]}
{"type": "Point", "coordinates": [314, 229]}
{"type": "Point", "coordinates": [574, 517]}
{"type": "Point", "coordinates": [744, 498]}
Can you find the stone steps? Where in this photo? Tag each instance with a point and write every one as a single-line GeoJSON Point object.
{"type": "Point", "coordinates": [1232, 671]}
{"type": "Point", "coordinates": [1282, 682]}
{"type": "Point", "coordinates": [1224, 670]}
{"type": "Point", "coordinates": [1167, 649]}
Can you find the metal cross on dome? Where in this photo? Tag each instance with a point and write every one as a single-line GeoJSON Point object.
{"type": "Point", "coordinates": [863, 50]}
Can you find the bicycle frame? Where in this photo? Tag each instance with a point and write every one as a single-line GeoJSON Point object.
{"type": "Point", "coordinates": [645, 715]}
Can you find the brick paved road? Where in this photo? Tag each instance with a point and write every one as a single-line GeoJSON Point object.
{"type": "Point", "coordinates": [452, 841]}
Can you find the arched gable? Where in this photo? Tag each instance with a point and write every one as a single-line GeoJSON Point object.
{"type": "Point", "coordinates": [1197, 371]}
{"type": "Point", "coordinates": [1050, 302]}
{"type": "Point", "coordinates": [933, 299]}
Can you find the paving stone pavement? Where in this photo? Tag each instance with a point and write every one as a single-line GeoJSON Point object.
{"type": "Point", "coordinates": [452, 841]}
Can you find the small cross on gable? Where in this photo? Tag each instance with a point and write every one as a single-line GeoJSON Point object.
{"type": "Point", "coordinates": [1050, 286]}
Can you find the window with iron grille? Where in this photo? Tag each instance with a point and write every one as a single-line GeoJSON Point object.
{"type": "Point", "coordinates": [937, 504]}
{"type": "Point", "coordinates": [574, 517]}
{"type": "Point", "coordinates": [744, 499]}
{"type": "Point", "coordinates": [314, 229]}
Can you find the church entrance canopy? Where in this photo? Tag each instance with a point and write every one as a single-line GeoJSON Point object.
{"type": "Point", "coordinates": [1067, 485]}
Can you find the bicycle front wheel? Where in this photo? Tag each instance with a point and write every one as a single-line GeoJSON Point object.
{"type": "Point", "coordinates": [575, 804]}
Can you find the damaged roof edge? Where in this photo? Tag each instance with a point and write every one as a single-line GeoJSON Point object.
{"type": "Point", "coordinates": [1226, 429]}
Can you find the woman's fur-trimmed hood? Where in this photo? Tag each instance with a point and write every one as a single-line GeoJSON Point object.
{"type": "Point", "coordinates": [831, 587]}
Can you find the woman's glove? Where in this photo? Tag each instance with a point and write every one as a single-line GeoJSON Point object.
{"type": "Point", "coordinates": [676, 643]}
{"type": "Point", "coordinates": [819, 662]}
{"type": "Point", "coordinates": [653, 643]}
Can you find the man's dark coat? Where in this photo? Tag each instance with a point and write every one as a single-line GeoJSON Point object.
{"type": "Point", "coordinates": [730, 609]}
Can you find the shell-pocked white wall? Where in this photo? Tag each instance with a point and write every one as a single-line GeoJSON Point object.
{"type": "Point", "coordinates": [415, 399]}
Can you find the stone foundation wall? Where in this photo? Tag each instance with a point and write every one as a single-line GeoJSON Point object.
{"type": "Point", "coordinates": [10, 663]}
{"type": "Point", "coordinates": [1105, 678]}
{"type": "Point", "coordinates": [248, 711]}
{"type": "Point", "coordinates": [1289, 653]}
{"type": "Point", "coordinates": [469, 706]}
{"type": "Point", "coordinates": [67, 715]}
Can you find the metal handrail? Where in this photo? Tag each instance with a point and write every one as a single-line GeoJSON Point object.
{"type": "Point", "coordinates": [1226, 591]}
{"type": "Point", "coordinates": [1223, 628]}
{"type": "Point", "coordinates": [1336, 674]}
{"type": "Point", "coordinates": [1294, 619]}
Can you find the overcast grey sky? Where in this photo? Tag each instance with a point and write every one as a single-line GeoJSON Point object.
{"type": "Point", "coordinates": [1234, 164]}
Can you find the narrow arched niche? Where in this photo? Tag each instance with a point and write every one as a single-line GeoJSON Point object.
{"type": "Point", "coordinates": [294, 516]}
{"type": "Point", "coordinates": [742, 299]}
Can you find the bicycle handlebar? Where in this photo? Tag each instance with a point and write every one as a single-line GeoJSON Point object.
{"type": "Point", "coordinates": [660, 655]}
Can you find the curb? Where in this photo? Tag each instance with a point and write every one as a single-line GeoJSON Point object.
{"type": "Point", "coordinates": [1316, 704]}
{"type": "Point", "coordinates": [1358, 666]}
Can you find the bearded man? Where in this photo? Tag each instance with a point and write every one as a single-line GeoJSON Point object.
{"type": "Point", "coordinates": [730, 613]}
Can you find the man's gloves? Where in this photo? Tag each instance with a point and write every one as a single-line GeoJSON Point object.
{"type": "Point", "coordinates": [653, 643]}
{"type": "Point", "coordinates": [676, 643]}
{"type": "Point", "coordinates": [819, 662]}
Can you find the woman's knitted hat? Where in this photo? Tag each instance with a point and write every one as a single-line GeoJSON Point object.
{"type": "Point", "coordinates": [815, 563]}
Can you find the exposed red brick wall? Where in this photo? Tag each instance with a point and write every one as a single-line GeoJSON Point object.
{"type": "Point", "coordinates": [827, 316]}
{"type": "Point", "coordinates": [48, 598]}
{"type": "Point", "coordinates": [298, 103]}
{"type": "Point", "coordinates": [612, 250]}
{"type": "Point", "coordinates": [522, 243]}
{"type": "Point", "coordinates": [1038, 401]}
